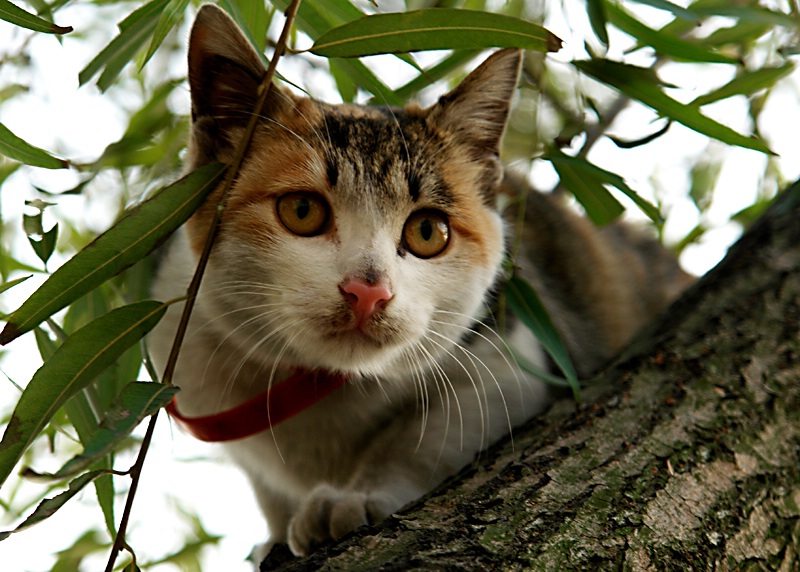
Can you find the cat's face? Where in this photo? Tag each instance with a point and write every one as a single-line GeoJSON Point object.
{"type": "Point", "coordinates": [355, 239]}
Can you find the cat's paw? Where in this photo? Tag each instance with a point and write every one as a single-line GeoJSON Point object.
{"type": "Point", "coordinates": [330, 513]}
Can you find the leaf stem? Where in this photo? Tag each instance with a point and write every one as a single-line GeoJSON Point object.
{"type": "Point", "coordinates": [194, 285]}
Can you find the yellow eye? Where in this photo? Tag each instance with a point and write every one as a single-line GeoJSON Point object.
{"type": "Point", "coordinates": [303, 213]}
{"type": "Point", "coordinates": [426, 233]}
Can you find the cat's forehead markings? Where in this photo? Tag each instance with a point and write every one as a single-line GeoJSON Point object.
{"type": "Point", "coordinates": [413, 184]}
{"type": "Point", "coordinates": [358, 127]}
{"type": "Point", "coordinates": [384, 144]}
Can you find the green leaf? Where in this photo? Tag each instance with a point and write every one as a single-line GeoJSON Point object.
{"type": "Point", "coordinates": [134, 236]}
{"type": "Point", "coordinates": [704, 177]}
{"type": "Point", "coordinates": [643, 85]}
{"type": "Point", "coordinates": [134, 32]}
{"type": "Point", "coordinates": [527, 306]}
{"type": "Point", "coordinates": [19, 17]}
{"type": "Point", "coordinates": [253, 18]}
{"type": "Point", "coordinates": [15, 148]}
{"type": "Point", "coordinates": [75, 363]}
{"type": "Point", "coordinates": [347, 88]}
{"type": "Point", "coordinates": [736, 35]}
{"type": "Point", "coordinates": [81, 409]}
{"type": "Point", "coordinates": [744, 12]}
{"type": "Point", "coordinates": [12, 90]}
{"type": "Point", "coordinates": [11, 283]}
{"type": "Point", "coordinates": [43, 242]}
{"type": "Point", "coordinates": [335, 12]}
{"type": "Point", "coordinates": [432, 29]}
{"type": "Point", "coordinates": [599, 204]}
{"type": "Point", "coordinates": [679, 11]}
{"type": "Point", "coordinates": [233, 9]}
{"type": "Point", "coordinates": [662, 42]}
{"type": "Point", "coordinates": [364, 78]}
{"type": "Point", "coordinates": [48, 507]}
{"type": "Point", "coordinates": [81, 414]}
{"type": "Point", "coordinates": [104, 390]}
{"type": "Point", "coordinates": [71, 558]}
{"type": "Point", "coordinates": [170, 16]}
{"type": "Point", "coordinates": [597, 18]}
{"type": "Point", "coordinates": [46, 245]}
{"type": "Point", "coordinates": [583, 169]}
{"type": "Point", "coordinates": [439, 71]}
{"type": "Point", "coordinates": [136, 402]}
{"type": "Point", "coordinates": [315, 20]}
{"type": "Point", "coordinates": [47, 347]}
{"type": "Point", "coordinates": [538, 372]}
{"type": "Point", "coordinates": [746, 83]}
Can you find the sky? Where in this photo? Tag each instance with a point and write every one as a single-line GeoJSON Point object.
{"type": "Point", "coordinates": [180, 471]}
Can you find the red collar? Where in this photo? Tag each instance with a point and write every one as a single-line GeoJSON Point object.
{"type": "Point", "coordinates": [298, 392]}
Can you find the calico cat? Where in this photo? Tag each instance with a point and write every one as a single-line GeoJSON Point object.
{"type": "Point", "coordinates": [357, 257]}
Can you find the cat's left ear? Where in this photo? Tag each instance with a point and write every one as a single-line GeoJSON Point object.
{"type": "Point", "coordinates": [225, 75]}
{"type": "Point", "coordinates": [476, 111]}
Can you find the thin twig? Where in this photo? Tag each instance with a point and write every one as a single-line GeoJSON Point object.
{"type": "Point", "coordinates": [230, 177]}
{"type": "Point", "coordinates": [263, 91]}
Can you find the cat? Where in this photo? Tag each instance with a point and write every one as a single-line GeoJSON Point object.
{"type": "Point", "coordinates": [359, 256]}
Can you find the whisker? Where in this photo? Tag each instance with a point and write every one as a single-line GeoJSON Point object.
{"type": "Point", "coordinates": [234, 376]}
{"type": "Point", "coordinates": [472, 381]}
{"type": "Point", "coordinates": [282, 351]}
{"type": "Point", "coordinates": [420, 390]}
{"type": "Point", "coordinates": [442, 381]}
{"type": "Point", "coordinates": [513, 367]}
{"type": "Point", "coordinates": [473, 358]}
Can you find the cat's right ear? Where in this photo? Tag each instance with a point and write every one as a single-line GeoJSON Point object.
{"type": "Point", "coordinates": [224, 77]}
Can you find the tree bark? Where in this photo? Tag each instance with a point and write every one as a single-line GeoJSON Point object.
{"type": "Point", "coordinates": [684, 455]}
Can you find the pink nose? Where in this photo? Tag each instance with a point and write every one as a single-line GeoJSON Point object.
{"type": "Point", "coordinates": [365, 298]}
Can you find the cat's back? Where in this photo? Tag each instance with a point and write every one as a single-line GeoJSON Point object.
{"type": "Point", "coordinates": [601, 285]}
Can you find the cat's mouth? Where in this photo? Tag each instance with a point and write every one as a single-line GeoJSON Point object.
{"type": "Point", "coordinates": [361, 338]}
{"type": "Point", "coordinates": [373, 332]}
{"type": "Point", "coordinates": [346, 348]}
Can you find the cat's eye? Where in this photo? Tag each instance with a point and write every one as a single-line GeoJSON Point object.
{"type": "Point", "coordinates": [303, 213]}
{"type": "Point", "coordinates": [426, 233]}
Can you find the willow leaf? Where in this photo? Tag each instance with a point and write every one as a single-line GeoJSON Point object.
{"type": "Point", "coordinates": [170, 16]}
{"type": "Point", "coordinates": [48, 507]}
{"type": "Point", "coordinates": [11, 283]}
{"type": "Point", "coordinates": [679, 11]}
{"type": "Point", "coordinates": [662, 42]}
{"type": "Point", "coordinates": [526, 305]}
{"type": "Point", "coordinates": [137, 401]}
{"type": "Point", "coordinates": [135, 30]}
{"type": "Point", "coordinates": [75, 363]}
{"type": "Point", "coordinates": [643, 85]}
{"type": "Point", "coordinates": [597, 18]}
{"type": "Point", "coordinates": [128, 241]}
{"type": "Point", "coordinates": [584, 170]}
{"type": "Point", "coordinates": [601, 207]}
{"type": "Point", "coordinates": [439, 71]}
{"type": "Point", "coordinates": [15, 148]}
{"type": "Point", "coordinates": [15, 15]}
{"type": "Point", "coordinates": [432, 29]}
{"type": "Point", "coordinates": [746, 83]}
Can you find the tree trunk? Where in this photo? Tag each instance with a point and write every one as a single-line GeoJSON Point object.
{"type": "Point", "coordinates": [685, 455]}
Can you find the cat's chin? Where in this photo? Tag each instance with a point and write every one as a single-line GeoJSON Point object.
{"type": "Point", "coordinates": [352, 353]}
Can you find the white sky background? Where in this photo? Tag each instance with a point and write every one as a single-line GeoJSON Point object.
{"type": "Point", "coordinates": [80, 123]}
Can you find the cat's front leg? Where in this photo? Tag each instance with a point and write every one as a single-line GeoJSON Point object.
{"type": "Point", "coordinates": [330, 513]}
